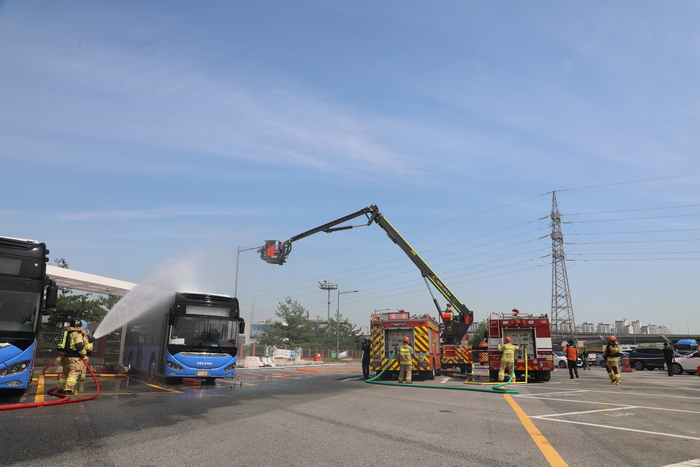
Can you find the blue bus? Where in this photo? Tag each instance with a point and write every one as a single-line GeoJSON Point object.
{"type": "Point", "coordinates": [24, 288]}
{"type": "Point", "coordinates": [191, 335]}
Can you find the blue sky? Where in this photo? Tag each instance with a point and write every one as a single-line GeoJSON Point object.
{"type": "Point", "coordinates": [140, 134]}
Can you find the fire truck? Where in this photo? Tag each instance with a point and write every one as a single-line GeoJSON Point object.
{"type": "Point", "coordinates": [455, 319]}
{"type": "Point", "coordinates": [387, 333]}
{"type": "Point", "coordinates": [533, 336]}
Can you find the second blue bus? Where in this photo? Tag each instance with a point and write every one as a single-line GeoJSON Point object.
{"type": "Point", "coordinates": [192, 335]}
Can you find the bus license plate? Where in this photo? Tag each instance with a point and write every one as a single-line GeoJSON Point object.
{"type": "Point", "coordinates": [202, 373]}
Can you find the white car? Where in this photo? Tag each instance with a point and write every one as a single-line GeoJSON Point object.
{"type": "Point", "coordinates": [560, 360]}
{"type": "Point", "coordinates": [686, 364]}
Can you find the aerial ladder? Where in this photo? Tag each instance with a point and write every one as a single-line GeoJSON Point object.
{"type": "Point", "coordinates": [454, 326]}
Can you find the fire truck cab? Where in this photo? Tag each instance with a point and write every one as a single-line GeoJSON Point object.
{"type": "Point", "coordinates": [389, 329]}
{"type": "Point", "coordinates": [533, 336]}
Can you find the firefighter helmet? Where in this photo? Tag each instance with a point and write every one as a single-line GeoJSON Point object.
{"type": "Point", "coordinates": [76, 323]}
{"type": "Point", "coordinates": [508, 339]}
{"type": "Point", "coordinates": [406, 339]}
{"type": "Point", "coordinates": [612, 338]}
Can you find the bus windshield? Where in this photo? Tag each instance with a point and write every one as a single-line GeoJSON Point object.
{"type": "Point", "coordinates": [19, 307]}
{"type": "Point", "coordinates": [204, 331]}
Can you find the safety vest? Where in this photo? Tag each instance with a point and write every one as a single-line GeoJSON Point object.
{"type": "Point", "coordinates": [508, 350]}
{"type": "Point", "coordinates": [571, 353]}
{"type": "Point", "coordinates": [405, 353]}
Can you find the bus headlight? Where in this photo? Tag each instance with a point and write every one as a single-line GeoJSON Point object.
{"type": "Point", "coordinates": [174, 366]}
{"type": "Point", "coordinates": [16, 368]}
{"type": "Point", "coordinates": [232, 366]}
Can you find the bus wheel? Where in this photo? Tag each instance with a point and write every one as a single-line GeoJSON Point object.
{"type": "Point", "coordinates": [210, 381]}
{"type": "Point", "coordinates": [129, 362]}
{"type": "Point", "coordinates": [172, 381]}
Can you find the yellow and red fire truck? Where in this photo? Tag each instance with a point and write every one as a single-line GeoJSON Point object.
{"type": "Point", "coordinates": [533, 336]}
{"type": "Point", "coordinates": [387, 333]}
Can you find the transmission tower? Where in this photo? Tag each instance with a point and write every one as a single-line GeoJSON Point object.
{"type": "Point", "coordinates": [562, 324]}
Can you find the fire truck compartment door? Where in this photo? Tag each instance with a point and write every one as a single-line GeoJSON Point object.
{"type": "Point", "coordinates": [394, 337]}
{"type": "Point", "coordinates": [525, 338]}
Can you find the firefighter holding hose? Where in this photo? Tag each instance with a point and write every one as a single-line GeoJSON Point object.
{"type": "Point", "coordinates": [507, 357]}
{"type": "Point", "coordinates": [405, 357]}
{"type": "Point", "coordinates": [73, 347]}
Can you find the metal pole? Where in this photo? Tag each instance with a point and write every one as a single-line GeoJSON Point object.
{"type": "Point", "coordinates": [337, 323]}
{"type": "Point", "coordinates": [238, 256]}
{"type": "Point", "coordinates": [325, 285]}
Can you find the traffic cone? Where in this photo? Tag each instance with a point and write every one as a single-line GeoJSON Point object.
{"type": "Point", "coordinates": [626, 366]}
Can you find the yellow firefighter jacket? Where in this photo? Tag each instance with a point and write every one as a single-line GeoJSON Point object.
{"type": "Point", "coordinates": [508, 352]}
{"type": "Point", "coordinates": [75, 343]}
{"type": "Point", "coordinates": [405, 354]}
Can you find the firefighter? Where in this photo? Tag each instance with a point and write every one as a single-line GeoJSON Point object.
{"type": "Point", "coordinates": [88, 348]}
{"type": "Point", "coordinates": [611, 354]}
{"type": "Point", "coordinates": [507, 357]}
{"type": "Point", "coordinates": [366, 348]}
{"type": "Point", "coordinates": [405, 357]}
{"type": "Point", "coordinates": [74, 347]}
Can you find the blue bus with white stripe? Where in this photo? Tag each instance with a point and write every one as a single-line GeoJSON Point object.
{"type": "Point", "coordinates": [192, 335]}
{"type": "Point", "coordinates": [23, 286]}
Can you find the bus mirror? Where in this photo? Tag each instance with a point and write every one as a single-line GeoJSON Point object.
{"type": "Point", "coordinates": [241, 327]}
{"type": "Point", "coordinates": [171, 317]}
{"type": "Point", "coordinates": [51, 295]}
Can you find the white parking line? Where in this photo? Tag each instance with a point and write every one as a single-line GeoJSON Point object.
{"type": "Point", "coordinates": [444, 380]}
{"type": "Point", "coordinates": [354, 378]}
{"type": "Point", "coordinates": [545, 417]}
{"type": "Point", "coordinates": [690, 463]}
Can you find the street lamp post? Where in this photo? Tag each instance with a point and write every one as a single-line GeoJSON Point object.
{"type": "Point", "coordinates": [337, 323]}
{"type": "Point", "coordinates": [325, 285]}
{"type": "Point", "coordinates": [238, 255]}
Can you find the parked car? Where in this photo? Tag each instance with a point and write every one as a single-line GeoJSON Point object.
{"type": "Point", "coordinates": [686, 364]}
{"type": "Point", "coordinates": [560, 360]}
{"type": "Point", "coordinates": [593, 357]}
{"type": "Point", "coordinates": [650, 358]}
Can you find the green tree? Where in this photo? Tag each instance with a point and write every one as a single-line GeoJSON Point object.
{"type": "Point", "coordinates": [295, 328]}
{"type": "Point", "coordinates": [481, 331]}
{"type": "Point", "coordinates": [83, 306]}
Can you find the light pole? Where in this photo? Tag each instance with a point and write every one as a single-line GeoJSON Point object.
{"type": "Point", "coordinates": [337, 323]}
{"type": "Point", "coordinates": [325, 285]}
{"type": "Point", "coordinates": [238, 255]}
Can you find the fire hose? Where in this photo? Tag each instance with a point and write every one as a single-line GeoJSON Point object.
{"type": "Point", "coordinates": [498, 388]}
{"type": "Point", "coordinates": [65, 399]}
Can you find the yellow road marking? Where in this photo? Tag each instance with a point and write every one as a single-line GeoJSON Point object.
{"type": "Point", "coordinates": [39, 390]}
{"type": "Point", "coordinates": [552, 456]}
{"type": "Point", "coordinates": [157, 387]}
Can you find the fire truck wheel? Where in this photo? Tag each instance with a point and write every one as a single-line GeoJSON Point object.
{"type": "Point", "coordinates": [428, 374]}
{"type": "Point", "coordinates": [493, 375]}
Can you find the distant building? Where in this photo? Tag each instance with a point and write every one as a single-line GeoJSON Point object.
{"type": "Point", "coordinates": [587, 327]}
{"type": "Point", "coordinates": [636, 327]}
{"type": "Point", "coordinates": [604, 328]}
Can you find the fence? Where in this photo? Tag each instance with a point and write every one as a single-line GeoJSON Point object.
{"type": "Point", "coordinates": [260, 350]}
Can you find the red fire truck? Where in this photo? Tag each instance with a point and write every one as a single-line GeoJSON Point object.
{"type": "Point", "coordinates": [533, 336]}
{"type": "Point", "coordinates": [389, 329]}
